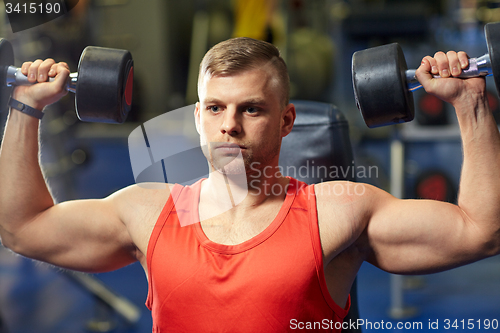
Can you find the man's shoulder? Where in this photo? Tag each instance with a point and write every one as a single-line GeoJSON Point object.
{"type": "Point", "coordinates": [344, 202]}
{"type": "Point", "coordinates": [341, 189]}
{"type": "Point", "coordinates": [141, 198]}
{"type": "Point", "coordinates": [143, 191]}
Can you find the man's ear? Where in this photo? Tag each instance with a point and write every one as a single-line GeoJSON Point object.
{"type": "Point", "coordinates": [287, 120]}
{"type": "Point", "coordinates": [197, 116]}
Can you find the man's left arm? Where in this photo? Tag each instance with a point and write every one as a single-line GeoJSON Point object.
{"type": "Point", "coordinates": [422, 236]}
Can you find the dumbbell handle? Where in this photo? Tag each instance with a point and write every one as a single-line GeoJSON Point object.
{"type": "Point", "coordinates": [16, 78]}
{"type": "Point", "coordinates": [477, 67]}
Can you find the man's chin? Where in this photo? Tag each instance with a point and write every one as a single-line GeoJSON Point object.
{"type": "Point", "coordinates": [229, 164]}
{"type": "Point", "coordinates": [231, 169]}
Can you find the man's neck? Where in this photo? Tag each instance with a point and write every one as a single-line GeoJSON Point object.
{"type": "Point", "coordinates": [241, 192]}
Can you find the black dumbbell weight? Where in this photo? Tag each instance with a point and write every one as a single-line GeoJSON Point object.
{"type": "Point", "coordinates": [102, 85]}
{"type": "Point", "coordinates": [383, 84]}
{"type": "Point", "coordinates": [6, 57]}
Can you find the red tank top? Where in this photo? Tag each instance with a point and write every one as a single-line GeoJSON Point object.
{"type": "Point", "coordinates": [273, 282]}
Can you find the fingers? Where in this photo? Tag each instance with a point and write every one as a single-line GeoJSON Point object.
{"type": "Point", "coordinates": [40, 70]}
{"type": "Point", "coordinates": [430, 64]}
{"type": "Point", "coordinates": [61, 72]}
{"type": "Point", "coordinates": [448, 64]}
{"type": "Point", "coordinates": [463, 59]}
{"type": "Point", "coordinates": [427, 68]}
{"type": "Point", "coordinates": [442, 64]}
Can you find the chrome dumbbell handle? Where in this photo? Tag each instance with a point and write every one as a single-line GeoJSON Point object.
{"type": "Point", "coordinates": [477, 67]}
{"type": "Point", "coordinates": [14, 77]}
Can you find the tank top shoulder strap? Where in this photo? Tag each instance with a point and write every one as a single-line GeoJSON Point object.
{"type": "Point", "coordinates": [318, 253]}
{"type": "Point", "coordinates": [175, 191]}
{"type": "Point", "coordinates": [167, 209]}
{"type": "Point", "coordinates": [302, 194]}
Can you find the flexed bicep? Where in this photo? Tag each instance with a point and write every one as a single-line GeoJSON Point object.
{"type": "Point", "coordinates": [83, 235]}
{"type": "Point", "coordinates": [421, 236]}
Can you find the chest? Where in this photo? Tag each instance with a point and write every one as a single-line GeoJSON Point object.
{"type": "Point", "coordinates": [237, 226]}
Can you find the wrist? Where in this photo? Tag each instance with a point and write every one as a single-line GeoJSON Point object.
{"type": "Point", "coordinates": [475, 111]}
{"type": "Point", "coordinates": [473, 102]}
{"type": "Point", "coordinates": [25, 99]}
{"type": "Point", "coordinates": [26, 109]}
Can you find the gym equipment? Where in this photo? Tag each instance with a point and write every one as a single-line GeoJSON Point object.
{"type": "Point", "coordinates": [435, 185]}
{"type": "Point", "coordinates": [119, 304]}
{"type": "Point", "coordinates": [383, 84]}
{"type": "Point", "coordinates": [431, 111]}
{"type": "Point", "coordinates": [102, 85]}
{"type": "Point", "coordinates": [6, 57]}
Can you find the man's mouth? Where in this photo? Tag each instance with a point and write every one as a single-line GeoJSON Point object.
{"type": "Point", "coordinates": [227, 146]}
{"type": "Point", "coordinates": [227, 149]}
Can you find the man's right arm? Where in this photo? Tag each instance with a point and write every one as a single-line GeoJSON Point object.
{"type": "Point", "coordinates": [86, 235]}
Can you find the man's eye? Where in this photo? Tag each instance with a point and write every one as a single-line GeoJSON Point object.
{"type": "Point", "coordinates": [214, 108]}
{"type": "Point", "coordinates": [251, 109]}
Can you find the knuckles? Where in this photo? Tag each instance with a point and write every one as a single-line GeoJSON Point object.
{"type": "Point", "coordinates": [439, 55]}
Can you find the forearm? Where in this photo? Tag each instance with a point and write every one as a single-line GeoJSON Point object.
{"type": "Point", "coordinates": [479, 195]}
{"type": "Point", "coordinates": [23, 193]}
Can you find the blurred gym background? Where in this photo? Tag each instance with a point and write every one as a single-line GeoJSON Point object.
{"type": "Point", "coordinates": [167, 39]}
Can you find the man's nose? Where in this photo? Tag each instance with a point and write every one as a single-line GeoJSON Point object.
{"type": "Point", "coordinates": [231, 123]}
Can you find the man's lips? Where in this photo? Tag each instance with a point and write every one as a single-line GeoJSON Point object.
{"type": "Point", "coordinates": [230, 148]}
{"type": "Point", "coordinates": [228, 145]}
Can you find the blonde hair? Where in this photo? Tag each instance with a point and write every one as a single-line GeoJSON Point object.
{"type": "Point", "coordinates": [237, 55]}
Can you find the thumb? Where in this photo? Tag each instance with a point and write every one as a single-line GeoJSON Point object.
{"type": "Point", "coordinates": [423, 73]}
{"type": "Point", "coordinates": [62, 76]}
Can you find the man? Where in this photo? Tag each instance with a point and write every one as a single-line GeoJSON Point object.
{"type": "Point", "coordinates": [267, 260]}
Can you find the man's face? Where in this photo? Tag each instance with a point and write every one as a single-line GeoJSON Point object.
{"type": "Point", "coordinates": [242, 113]}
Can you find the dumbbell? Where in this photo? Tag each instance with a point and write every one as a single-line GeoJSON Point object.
{"type": "Point", "coordinates": [102, 85]}
{"type": "Point", "coordinates": [383, 84]}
